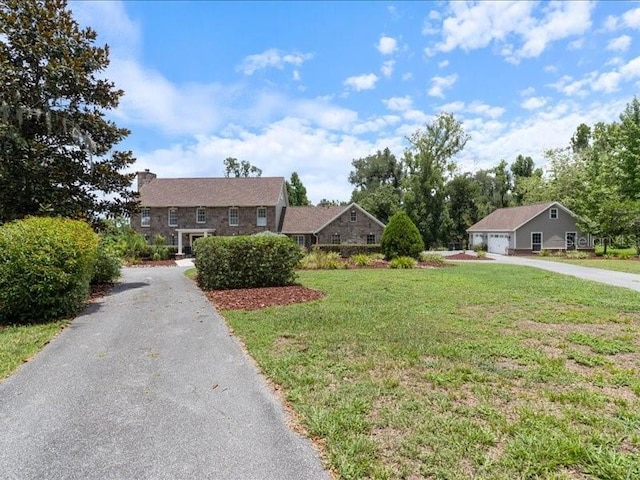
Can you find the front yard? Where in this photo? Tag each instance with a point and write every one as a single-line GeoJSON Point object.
{"type": "Point", "coordinates": [478, 371]}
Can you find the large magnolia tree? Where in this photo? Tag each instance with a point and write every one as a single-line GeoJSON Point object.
{"type": "Point", "coordinates": [57, 153]}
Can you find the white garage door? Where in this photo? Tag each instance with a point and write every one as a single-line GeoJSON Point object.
{"type": "Point", "coordinates": [498, 244]}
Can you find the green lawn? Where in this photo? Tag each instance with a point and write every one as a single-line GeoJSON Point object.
{"type": "Point", "coordinates": [18, 343]}
{"type": "Point", "coordinates": [474, 371]}
{"type": "Point", "coordinates": [618, 265]}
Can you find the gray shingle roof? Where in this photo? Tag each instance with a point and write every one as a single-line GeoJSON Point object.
{"type": "Point", "coordinates": [509, 219]}
{"type": "Point", "coordinates": [211, 192]}
{"type": "Point", "coordinates": [308, 219]}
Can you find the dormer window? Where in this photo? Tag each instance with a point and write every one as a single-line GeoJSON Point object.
{"type": "Point", "coordinates": [553, 213]}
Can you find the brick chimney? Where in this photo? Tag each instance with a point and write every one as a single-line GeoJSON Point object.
{"type": "Point", "coordinates": [144, 178]}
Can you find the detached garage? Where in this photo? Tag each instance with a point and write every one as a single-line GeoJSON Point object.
{"type": "Point", "coordinates": [530, 228]}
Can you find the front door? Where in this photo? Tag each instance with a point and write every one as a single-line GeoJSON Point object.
{"type": "Point", "coordinates": [536, 241]}
{"type": "Point", "coordinates": [570, 240]}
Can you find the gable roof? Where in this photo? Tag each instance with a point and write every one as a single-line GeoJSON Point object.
{"type": "Point", "coordinates": [312, 220]}
{"type": "Point", "coordinates": [211, 192]}
{"type": "Point", "coordinates": [510, 219]}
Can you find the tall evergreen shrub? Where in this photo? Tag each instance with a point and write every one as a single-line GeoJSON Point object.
{"type": "Point", "coordinates": [46, 265]}
{"type": "Point", "coordinates": [401, 238]}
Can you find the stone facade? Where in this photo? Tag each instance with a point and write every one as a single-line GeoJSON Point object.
{"type": "Point", "coordinates": [350, 229]}
{"type": "Point", "coordinates": [216, 218]}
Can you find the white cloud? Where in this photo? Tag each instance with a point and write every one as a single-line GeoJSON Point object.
{"type": "Point", "coordinates": [610, 81]}
{"type": "Point", "coordinates": [452, 107]}
{"type": "Point", "coordinates": [534, 103]}
{"type": "Point", "coordinates": [296, 76]}
{"type": "Point", "coordinates": [398, 104]}
{"type": "Point", "coordinates": [278, 149]}
{"type": "Point", "coordinates": [440, 84]}
{"type": "Point", "coordinates": [387, 68]}
{"type": "Point", "coordinates": [407, 76]}
{"type": "Point", "coordinates": [112, 23]}
{"type": "Point", "coordinates": [619, 44]}
{"type": "Point", "coordinates": [271, 58]}
{"type": "Point", "coordinates": [483, 109]}
{"type": "Point", "coordinates": [443, 63]}
{"type": "Point", "coordinates": [631, 18]}
{"type": "Point", "coordinates": [533, 135]}
{"type": "Point", "coordinates": [387, 45]}
{"type": "Point", "coordinates": [358, 83]}
{"type": "Point", "coordinates": [471, 26]}
{"type": "Point", "coordinates": [375, 124]}
{"type": "Point", "coordinates": [576, 44]}
{"type": "Point", "coordinates": [527, 92]}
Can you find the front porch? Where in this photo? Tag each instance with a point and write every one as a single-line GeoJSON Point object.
{"type": "Point", "coordinates": [193, 234]}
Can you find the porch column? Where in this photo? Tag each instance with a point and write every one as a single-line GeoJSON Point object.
{"type": "Point", "coordinates": [179, 242]}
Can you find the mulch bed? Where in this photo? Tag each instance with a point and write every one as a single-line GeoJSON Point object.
{"type": "Point", "coordinates": [99, 291]}
{"type": "Point", "coordinates": [256, 298]}
{"type": "Point", "coordinates": [466, 256]}
{"type": "Point", "coordinates": [154, 263]}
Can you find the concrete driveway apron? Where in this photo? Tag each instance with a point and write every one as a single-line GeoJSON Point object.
{"type": "Point", "coordinates": [147, 384]}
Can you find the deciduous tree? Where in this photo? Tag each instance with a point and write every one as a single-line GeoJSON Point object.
{"type": "Point", "coordinates": [429, 164]}
{"type": "Point", "coordinates": [240, 168]}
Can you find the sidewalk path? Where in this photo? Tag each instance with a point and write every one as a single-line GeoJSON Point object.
{"type": "Point", "coordinates": [147, 384]}
{"type": "Point", "coordinates": [617, 279]}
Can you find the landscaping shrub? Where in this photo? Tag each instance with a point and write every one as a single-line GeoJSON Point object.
{"type": "Point", "coordinates": [107, 266]}
{"type": "Point", "coordinates": [481, 254]}
{"type": "Point", "coordinates": [545, 253]}
{"type": "Point", "coordinates": [347, 250]}
{"type": "Point", "coordinates": [402, 262]}
{"type": "Point", "coordinates": [245, 261]}
{"type": "Point", "coordinates": [401, 237]}
{"type": "Point", "coordinates": [577, 255]}
{"type": "Point", "coordinates": [46, 265]}
{"type": "Point", "coordinates": [434, 258]}
{"type": "Point", "coordinates": [320, 260]}
{"type": "Point", "coordinates": [362, 260]}
{"type": "Point", "coordinates": [480, 247]}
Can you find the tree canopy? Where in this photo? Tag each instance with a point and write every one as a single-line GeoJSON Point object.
{"type": "Point", "coordinates": [378, 180]}
{"type": "Point", "coordinates": [296, 191]}
{"type": "Point", "coordinates": [240, 168]}
{"type": "Point", "coordinates": [57, 152]}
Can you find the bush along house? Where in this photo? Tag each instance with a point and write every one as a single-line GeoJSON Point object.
{"type": "Point", "coordinates": [184, 209]}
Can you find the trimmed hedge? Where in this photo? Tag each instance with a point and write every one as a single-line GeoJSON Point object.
{"type": "Point", "coordinates": [347, 250]}
{"type": "Point", "coordinates": [107, 266]}
{"type": "Point", "coordinates": [401, 238]}
{"type": "Point", "coordinates": [46, 265]}
{"type": "Point", "coordinates": [246, 261]}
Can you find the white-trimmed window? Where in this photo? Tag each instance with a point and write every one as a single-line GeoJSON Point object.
{"type": "Point", "coordinates": [553, 213]}
{"type": "Point", "coordinates": [173, 217]}
{"type": "Point", "coordinates": [335, 239]}
{"type": "Point", "coordinates": [261, 217]}
{"type": "Point", "coordinates": [201, 215]}
{"type": "Point", "coordinates": [371, 239]}
{"type": "Point", "coordinates": [353, 216]}
{"type": "Point", "coordinates": [299, 239]}
{"type": "Point", "coordinates": [145, 217]}
{"type": "Point", "coordinates": [234, 218]}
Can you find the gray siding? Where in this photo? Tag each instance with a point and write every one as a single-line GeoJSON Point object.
{"type": "Point", "coordinates": [553, 232]}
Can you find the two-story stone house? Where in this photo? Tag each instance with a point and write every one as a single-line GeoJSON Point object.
{"type": "Point", "coordinates": [183, 209]}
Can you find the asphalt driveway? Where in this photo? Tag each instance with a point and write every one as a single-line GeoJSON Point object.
{"type": "Point", "coordinates": [147, 384]}
{"type": "Point", "coordinates": [609, 277]}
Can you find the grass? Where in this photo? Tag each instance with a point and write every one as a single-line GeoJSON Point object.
{"type": "Point", "coordinates": [20, 342]}
{"type": "Point", "coordinates": [459, 373]}
{"type": "Point", "coordinates": [615, 264]}
{"type": "Point", "coordinates": [191, 273]}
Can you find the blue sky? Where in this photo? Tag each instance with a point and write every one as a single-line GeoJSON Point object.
{"type": "Point", "coordinates": [309, 86]}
